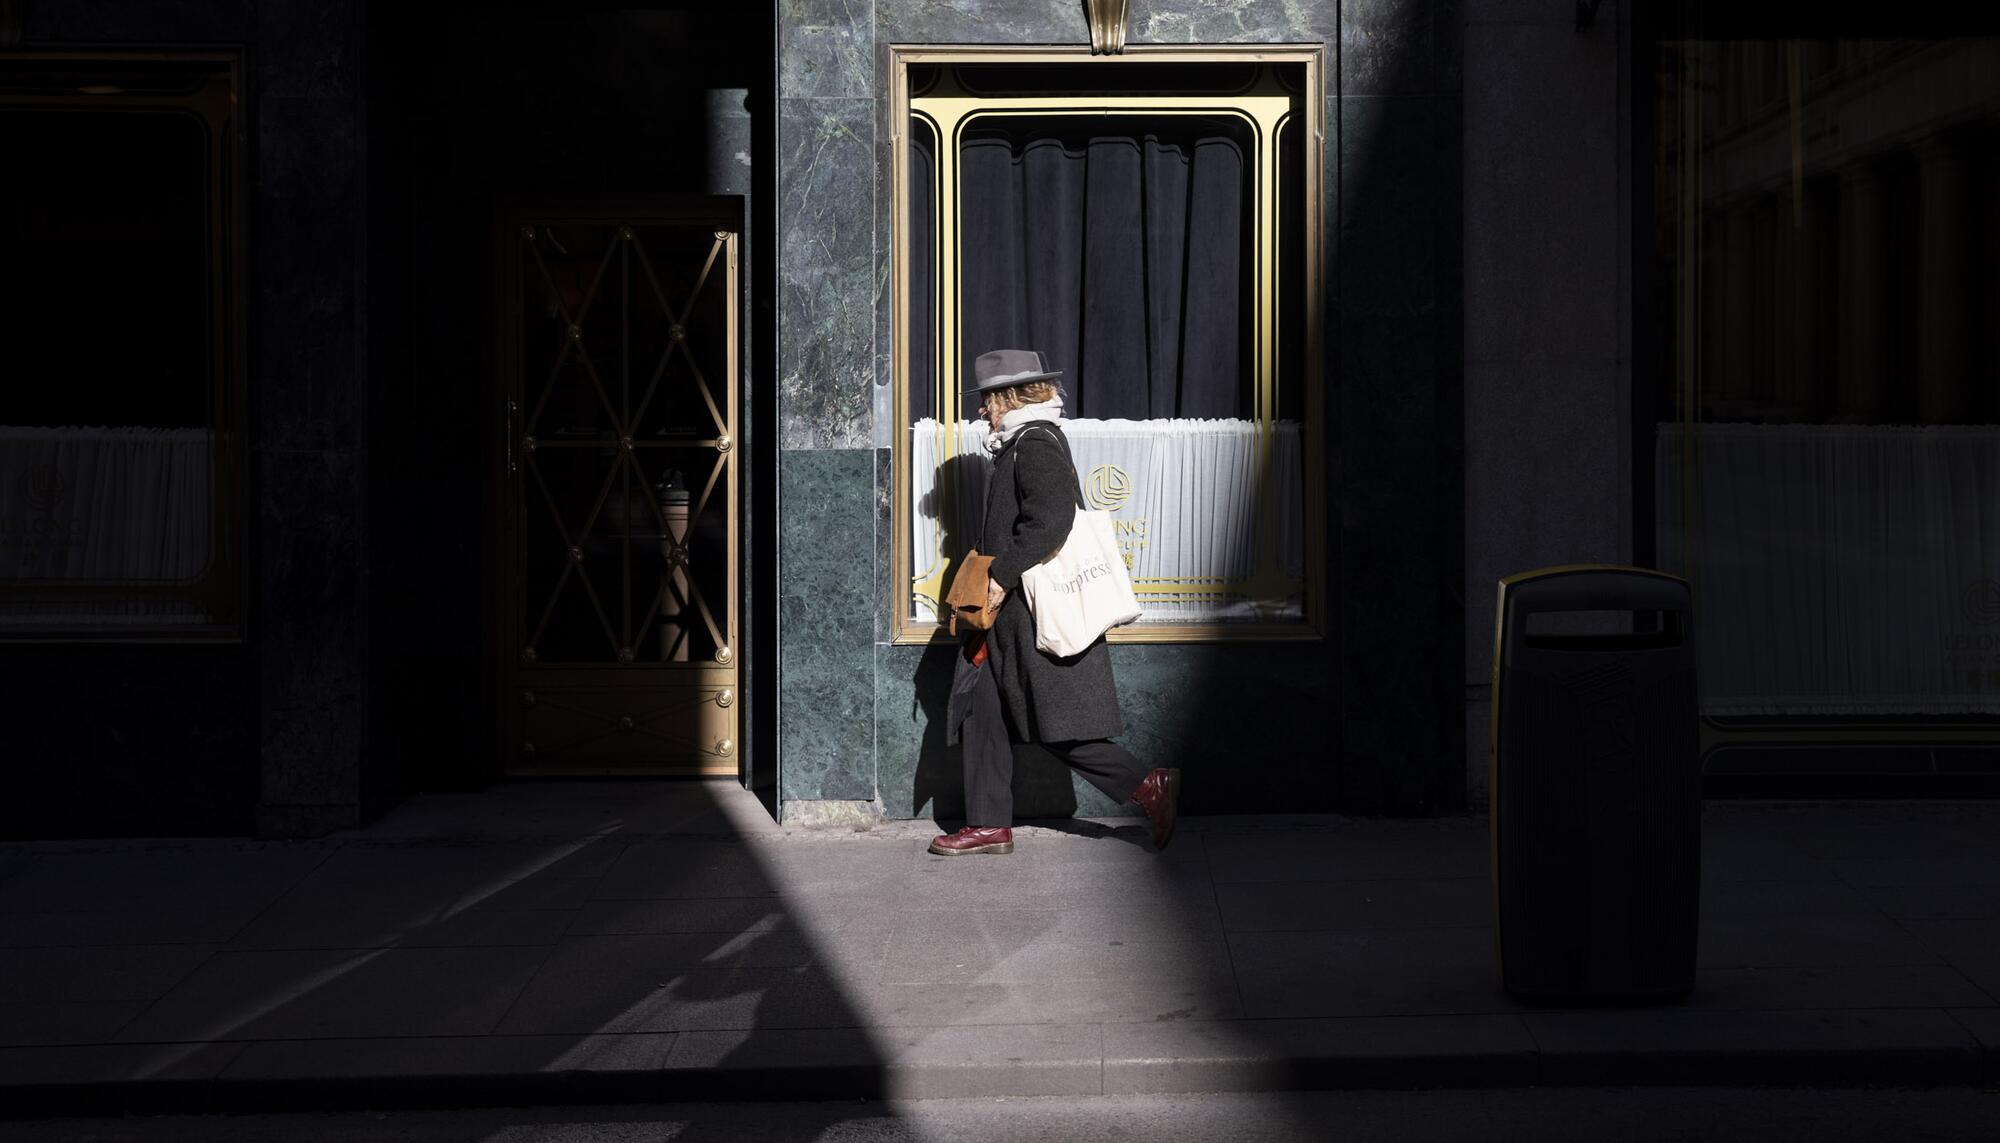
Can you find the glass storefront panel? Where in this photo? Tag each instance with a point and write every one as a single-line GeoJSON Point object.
{"type": "Point", "coordinates": [1826, 447]}
{"type": "Point", "coordinates": [1152, 240]}
{"type": "Point", "coordinates": [118, 474]}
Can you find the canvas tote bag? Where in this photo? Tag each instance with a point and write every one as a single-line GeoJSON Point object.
{"type": "Point", "coordinates": [1083, 590]}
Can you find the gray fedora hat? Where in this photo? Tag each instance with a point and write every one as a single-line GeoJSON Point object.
{"type": "Point", "coordinates": [1001, 368]}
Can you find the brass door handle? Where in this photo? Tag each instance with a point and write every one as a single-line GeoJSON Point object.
{"type": "Point", "coordinates": [512, 408]}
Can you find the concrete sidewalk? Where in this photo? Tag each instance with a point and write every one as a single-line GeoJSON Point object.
{"type": "Point", "coordinates": [594, 942]}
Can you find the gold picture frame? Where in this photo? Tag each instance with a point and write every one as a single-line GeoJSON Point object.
{"type": "Point", "coordinates": [1269, 113]}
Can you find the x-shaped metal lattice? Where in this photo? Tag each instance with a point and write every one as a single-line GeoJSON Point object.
{"type": "Point", "coordinates": [679, 547]}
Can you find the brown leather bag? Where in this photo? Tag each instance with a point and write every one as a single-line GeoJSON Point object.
{"type": "Point", "coordinates": [967, 595]}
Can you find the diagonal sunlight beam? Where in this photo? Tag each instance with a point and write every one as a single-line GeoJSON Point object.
{"type": "Point", "coordinates": [500, 884]}
{"type": "Point", "coordinates": [236, 1018]}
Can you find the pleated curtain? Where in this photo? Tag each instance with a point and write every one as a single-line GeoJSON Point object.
{"type": "Point", "coordinates": [103, 506]}
{"type": "Point", "coordinates": [1838, 570]}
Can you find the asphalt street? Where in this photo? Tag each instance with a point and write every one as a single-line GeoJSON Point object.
{"type": "Point", "coordinates": [1601, 1115]}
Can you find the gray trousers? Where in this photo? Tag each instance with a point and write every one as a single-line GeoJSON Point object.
{"type": "Point", "coordinates": [989, 757]}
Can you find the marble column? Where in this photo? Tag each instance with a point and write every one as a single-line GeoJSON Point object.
{"type": "Point", "coordinates": [1864, 292]}
{"type": "Point", "coordinates": [310, 440]}
{"type": "Point", "coordinates": [1945, 283]}
{"type": "Point", "coordinates": [729, 141]}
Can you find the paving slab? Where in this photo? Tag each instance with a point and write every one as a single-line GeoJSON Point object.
{"type": "Point", "coordinates": [433, 1071]}
{"type": "Point", "coordinates": [79, 1022]}
{"type": "Point", "coordinates": [1403, 972]}
{"type": "Point", "coordinates": [153, 876]}
{"type": "Point", "coordinates": [1796, 940]}
{"type": "Point", "coordinates": [900, 1063]}
{"type": "Point", "coordinates": [623, 917]}
{"type": "Point", "coordinates": [1885, 1046]}
{"type": "Point", "coordinates": [1896, 986]}
{"type": "Point", "coordinates": [677, 868]}
{"type": "Point", "coordinates": [1183, 996]}
{"type": "Point", "coordinates": [1970, 945]}
{"type": "Point", "coordinates": [304, 925]}
{"type": "Point", "coordinates": [1334, 856]}
{"type": "Point", "coordinates": [1279, 1055]}
{"type": "Point", "coordinates": [193, 925]}
{"type": "Point", "coordinates": [584, 995]}
{"type": "Point", "coordinates": [1012, 946]}
{"type": "Point", "coordinates": [1897, 872]}
{"type": "Point", "coordinates": [1722, 898]}
{"type": "Point", "coordinates": [1356, 906]}
{"type": "Point", "coordinates": [1933, 902]}
{"type": "Point", "coordinates": [570, 809]}
{"type": "Point", "coordinates": [1737, 855]}
{"type": "Point", "coordinates": [254, 995]}
{"type": "Point", "coordinates": [1862, 838]}
{"type": "Point", "coordinates": [94, 974]}
{"type": "Point", "coordinates": [1984, 1024]}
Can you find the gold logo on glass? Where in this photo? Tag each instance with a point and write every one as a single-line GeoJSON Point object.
{"type": "Point", "coordinates": [1107, 488]}
{"type": "Point", "coordinates": [42, 486]}
{"type": "Point", "coordinates": [1981, 601]}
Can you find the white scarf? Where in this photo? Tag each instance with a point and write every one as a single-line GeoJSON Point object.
{"type": "Point", "coordinates": [1014, 420]}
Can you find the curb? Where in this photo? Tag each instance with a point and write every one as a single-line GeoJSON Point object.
{"type": "Point", "coordinates": [1859, 1048]}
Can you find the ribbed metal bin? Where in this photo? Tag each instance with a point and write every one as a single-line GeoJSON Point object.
{"type": "Point", "coordinates": [1596, 798]}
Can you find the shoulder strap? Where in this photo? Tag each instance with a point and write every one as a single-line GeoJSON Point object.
{"type": "Point", "coordinates": [1062, 439]}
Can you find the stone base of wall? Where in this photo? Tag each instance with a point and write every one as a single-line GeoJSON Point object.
{"type": "Point", "coordinates": [828, 813]}
{"type": "Point", "coordinates": [279, 821]}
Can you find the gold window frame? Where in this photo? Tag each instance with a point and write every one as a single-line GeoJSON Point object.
{"type": "Point", "coordinates": [215, 104]}
{"type": "Point", "coordinates": [1269, 115]}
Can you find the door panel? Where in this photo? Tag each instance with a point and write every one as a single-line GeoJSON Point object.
{"type": "Point", "coordinates": [618, 588]}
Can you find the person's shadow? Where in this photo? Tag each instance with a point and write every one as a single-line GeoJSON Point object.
{"type": "Point", "coordinates": [1042, 785]}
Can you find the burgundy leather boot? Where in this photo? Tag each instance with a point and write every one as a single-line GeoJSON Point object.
{"type": "Point", "coordinates": [989, 839]}
{"type": "Point", "coordinates": [1157, 795]}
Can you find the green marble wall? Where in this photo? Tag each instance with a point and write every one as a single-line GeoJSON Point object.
{"type": "Point", "coordinates": [1370, 720]}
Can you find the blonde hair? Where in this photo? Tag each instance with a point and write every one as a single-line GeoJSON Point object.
{"type": "Point", "coordinates": [1031, 393]}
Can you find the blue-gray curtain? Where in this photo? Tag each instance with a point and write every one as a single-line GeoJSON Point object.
{"type": "Point", "coordinates": [1120, 255]}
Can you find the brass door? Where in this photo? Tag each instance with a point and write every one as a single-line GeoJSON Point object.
{"type": "Point", "coordinates": [618, 586]}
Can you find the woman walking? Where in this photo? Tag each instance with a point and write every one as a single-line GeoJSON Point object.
{"type": "Point", "coordinates": [1003, 688]}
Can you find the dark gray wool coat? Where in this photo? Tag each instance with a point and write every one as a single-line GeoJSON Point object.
{"type": "Point", "coordinates": [1031, 501]}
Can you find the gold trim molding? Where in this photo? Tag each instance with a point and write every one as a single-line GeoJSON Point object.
{"type": "Point", "coordinates": [1107, 26]}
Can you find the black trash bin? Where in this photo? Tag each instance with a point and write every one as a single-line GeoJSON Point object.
{"type": "Point", "coordinates": [1596, 796]}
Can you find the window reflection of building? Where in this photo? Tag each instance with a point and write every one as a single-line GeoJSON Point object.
{"type": "Point", "coordinates": [1828, 454]}
{"type": "Point", "coordinates": [119, 425]}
